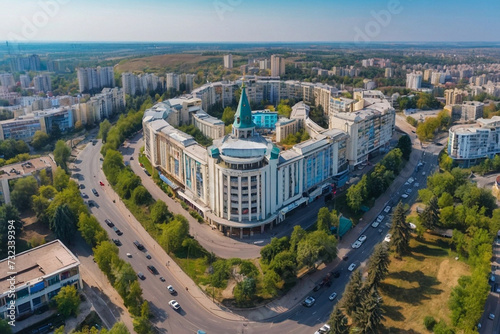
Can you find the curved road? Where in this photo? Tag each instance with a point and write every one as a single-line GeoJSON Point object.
{"type": "Point", "coordinates": [198, 311]}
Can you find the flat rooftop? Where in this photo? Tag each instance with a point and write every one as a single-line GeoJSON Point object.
{"type": "Point", "coordinates": [35, 263]}
{"type": "Point", "coordinates": [26, 168]}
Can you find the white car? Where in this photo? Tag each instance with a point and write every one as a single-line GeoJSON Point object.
{"type": "Point", "coordinates": [387, 238]}
{"type": "Point", "coordinates": [324, 329]}
{"type": "Point", "coordinates": [129, 255]}
{"type": "Point", "coordinates": [406, 183]}
{"type": "Point", "coordinates": [309, 301]}
{"type": "Point", "coordinates": [375, 224]}
{"type": "Point", "coordinates": [380, 218]}
{"type": "Point", "coordinates": [333, 296]}
{"type": "Point", "coordinates": [410, 180]}
{"type": "Point", "coordinates": [174, 304]}
{"type": "Point", "coordinates": [362, 238]}
{"type": "Point", "coordinates": [404, 196]}
{"type": "Point", "coordinates": [387, 209]}
{"type": "Point", "coordinates": [356, 244]}
{"type": "Point", "coordinates": [416, 185]}
{"type": "Point", "coordinates": [352, 267]}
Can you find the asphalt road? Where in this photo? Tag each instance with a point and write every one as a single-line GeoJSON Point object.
{"type": "Point", "coordinates": [195, 314]}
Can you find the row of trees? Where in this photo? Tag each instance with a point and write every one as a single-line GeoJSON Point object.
{"type": "Point", "coordinates": [453, 202]}
{"type": "Point", "coordinates": [361, 300]}
{"type": "Point", "coordinates": [9, 148]}
{"type": "Point", "coordinates": [295, 138]}
{"type": "Point", "coordinates": [374, 184]}
{"type": "Point", "coordinates": [422, 101]}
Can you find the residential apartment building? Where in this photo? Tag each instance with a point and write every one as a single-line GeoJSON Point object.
{"type": "Point", "coordinates": [41, 272]}
{"type": "Point", "coordinates": [454, 96]}
{"type": "Point", "coordinates": [468, 145]}
{"type": "Point", "coordinates": [414, 80]}
{"type": "Point", "coordinates": [228, 61]}
{"type": "Point", "coordinates": [25, 81]}
{"type": "Point", "coordinates": [42, 83]}
{"type": "Point", "coordinates": [210, 126]}
{"type": "Point", "coordinates": [286, 127]}
{"type": "Point", "coordinates": [95, 78]}
{"type": "Point", "coordinates": [7, 80]}
{"type": "Point", "coordinates": [472, 110]}
{"type": "Point", "coordinates": [277, 66]}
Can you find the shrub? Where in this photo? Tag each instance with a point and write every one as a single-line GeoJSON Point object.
{"type": "Point", "coordinates": [429, 322]}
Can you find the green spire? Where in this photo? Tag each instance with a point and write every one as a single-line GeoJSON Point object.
{"type": "Point", "coordinates": [243, 115]}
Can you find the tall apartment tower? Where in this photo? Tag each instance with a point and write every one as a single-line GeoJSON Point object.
{"type": "Point", "coordinates": [277, 66]}
{"type": "Point", "coordinates": [228, 61]}
{"type": "Point", "coordinates": [414, 80]}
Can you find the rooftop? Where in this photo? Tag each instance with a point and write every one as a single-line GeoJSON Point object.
{"type": "Point", "coordinates": [26, 168]}
{"type": "Point", "coordinates": [36, 263]}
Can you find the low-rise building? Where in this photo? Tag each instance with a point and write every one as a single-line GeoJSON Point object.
{"type": "Point", "coordinates": [40, 273]}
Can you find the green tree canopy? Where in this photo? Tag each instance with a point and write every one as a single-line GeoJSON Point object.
{"type": "Point", "coordinates": [104, 128]}
{"type": "Point", "coordinates": [23, 189]}
{"type": "Point", "coordinates": [61, 154]}
{"type": "Point", "coordinates": [400, 231]}
{"type": "Point", "coordinates": [67, 301]}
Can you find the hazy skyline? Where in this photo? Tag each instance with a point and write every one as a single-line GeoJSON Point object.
{"type": "Point", "coordinates": [244, 21]}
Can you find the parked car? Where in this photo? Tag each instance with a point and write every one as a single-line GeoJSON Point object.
{"type": "Point", "coordinates": [129, 255]}
{"type": "Point", "coordinates": [362, 238]}
{"type": "Point", "coordinates": [152, 270]}
{"type": "Point", "coordinates": [117, 242]}
{"type": "Point", "coordinates": [84, 195]}
{"type": "Point", "coordinates": [174, 304]}
{"type": "Point", "coordinates": [404, 195]}
{"type": "Point", "coordinates": [117, 231]}
{"type": "Point", "coordinates": [171, 290]}
{"type": "Point", "coordinates": [333, 296]}
{"type": "Point", "coordinates": [309, 301]}
{"type": "Point", "coordinates": [387, 209]}
{"type": "Point", "coordinates": [352, 266]}
{"type": "Point", "coordinates": [375, 224]}
{"type": "Point", "coordinates": [162, 278]}
{"type": "Point", "coordinates": [109, 222]}
{"type": "Point", "coordinates": [380, 218]}
{"type": "Point", "coordinates": [148, 256]}
{"type": "Point", "coordinates": [141, 276]}
{"type": "Point", "coordinates": [317, 287]}
{"type": "Point", "coordinates": [95, 192]}
{"type": "Point", "coordinates": [82, 186]}
{"type": "Point", "coordinates": [491, 316]}
{"type": "Point", "coordinates": [336, 274]}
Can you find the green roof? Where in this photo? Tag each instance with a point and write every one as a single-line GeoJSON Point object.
{"type": "Point", "coordinates": [243, 115]}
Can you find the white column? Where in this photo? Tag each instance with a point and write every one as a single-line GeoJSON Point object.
{"type": "Point", "coordinates": [259, 204]}
{"type": "Point", "coordinates": [249, 198]}
{"type": "Point", "coordinates": [228, 197]}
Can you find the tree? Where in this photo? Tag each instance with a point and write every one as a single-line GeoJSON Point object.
{"type": "Point", "coordinates": [298, 234]}
{"type": "Point", "coordinates": [378, 265]}
{"type": "Point", "coordinates": [104, 254]}
{"type": "Point", "coordinates": [351, 299]}
{"type": "Point", "coordinates": [142, 325]}
{"type": "Point", "coordinates": [445, 200]}
{"type": "Point", "coordinates": [228, 115]}
{"type": "Point", "coordinates": [44, 178]}
{"type": "Point", "coordinates": [141, 196]}
{"type": "Point", "coordinates": [272, 282]}
{"type": "Point", "coordinates": [174, 233]}
{"type": "Point", "coordinates": [276, 246]}
{"type": "Point", "coordinates": [285, 265]}
{"type": "Point", "coordinates": [40, 140]}
{"type": "Point", "coordinates": [118, 328]}
{"type": "Point", "coordinates": [104, 128]}
{"type": "Point", "coordinates": [133, 298]}
{"type": "Point", "coordinates": [430, 215]}
{"type": "Point", "coordinates": [23, 189]}
{"type": "Point", "coordinates": [60, 179]}
{"type": "Point", "coordinates": [61, 154]}
{"type": "Point", "coordinates": [368, 315]}
{"type": "Point", "coordinates": [63, 223]}
{"type": "Point", "coordinates": [245, 290]}
{"type": "Point", "coordinates": [112, 165]}
{"type": "Point", "coordinates": [78, 125]}
{"type": "Point", "coordinates": [355, 197]}
{"type": "Point", "coordinates": [325, 221]}
{"type": "Point", "coordinates": [67, 301]}
{"type": "Point", "coordinates": [400, 231]}
{"type": "Point", "coordinates": [404, 144]}
{"type": "Point", "coordinates": [338, 322]}
{"type": "Point", "coordinates": [91, 230]}
{"type": "Point", "coordinates": [160, 213]}
{"type": "Point", "coordinates": [307, 253]}
{"type": "Point", "coordinates": [55, 131]}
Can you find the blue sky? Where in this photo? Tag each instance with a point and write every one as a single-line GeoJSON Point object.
{"type": "Point", "coordinates": [249, 20]}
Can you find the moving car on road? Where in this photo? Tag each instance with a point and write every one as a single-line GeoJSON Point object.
{"type": "Point", "coordinates": [96, 194]}
{"type": "Point", "coordinates": [352, 267]}
{"type": "Point", "coordinates": [174, 304]}
{"type": "Point", "coordinates": [362, 238]}
{"type": "Point", "coordinates": [141, 276]}
{"type": "Point", "coordinates": [171, 289]}
{"type": "Point", "coordinates": [109, 222]}
{"type": "Point", "coordinates": [324, 329]}
{"type": "Point", "coordinates": [356, 244]}
{"type": "Point", "coordinates": [333, 296]}
{"type": "Point", "coordinates": [309, 301]}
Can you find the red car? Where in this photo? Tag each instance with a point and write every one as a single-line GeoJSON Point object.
{"type": "Point", "coordinates": [101, 183]}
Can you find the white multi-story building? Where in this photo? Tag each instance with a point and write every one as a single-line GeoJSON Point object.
{"type": "Point", "coordinates": [7, 80]}
{"type": "Point", "coordinates": [370, 125]}
{"type": "Point", "coordinates": [468, 145]}
{"type": "Point", "coordinates": [228, 61]}
{"type": "Point", "coordinates": [414, 80]}
{"type": "Point", "coordinates": [41, 272]}
{"type": "Point", "coordinates": [242, 182]}
{"type": "Point", "coordinates": [471, 110]}
{"type": "Point", "coordinates": [129, 83]}
{"type": "Point", "coordinates": [25, 80]}
{"type": "Point", "coordinates": [173, 81]}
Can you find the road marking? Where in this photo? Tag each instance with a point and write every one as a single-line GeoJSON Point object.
{"type": "Point", "coordinates": [258, 242]}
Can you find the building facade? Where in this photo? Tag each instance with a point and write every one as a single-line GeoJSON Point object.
{"type": "Point", "coordinates": [41, 272]}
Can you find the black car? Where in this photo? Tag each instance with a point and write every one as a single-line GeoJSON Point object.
{"type": "Point", "coordinates": [317, 287]}
{"type": "Point", "coordinates": [109, 222]}
{"type": "Point", "coordinates": [117, 242]}
{"type": "Point", "coordinates": [148, 256]}
{"type": "Point", "coordinates": [147, 173]}
{"type": "Point", "coordinates": [138, 245]}
{"type": "Point", "coordinates": [141, 276]}
{"type": "Point", "coordinates": [117, 231]}
{"type": "Point", "coordinates": [336, 274]}
{"type": "Point", "coordinates": [152, 270]}
{"type": "Point", "coordinates": [95, 192]}
{"type": "Point", "coordinates": [82, 186]}
{"type": "Point", "coordinates": [91, 203]}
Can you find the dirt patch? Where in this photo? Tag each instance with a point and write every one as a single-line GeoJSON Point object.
{"type": "Point", "coordinates": [34, 231]}
{"type": "Point", "coordinates": [227, 293]}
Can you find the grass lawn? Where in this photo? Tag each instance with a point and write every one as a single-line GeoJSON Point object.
{"type": "Point", "coordinates": [420, 285]}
